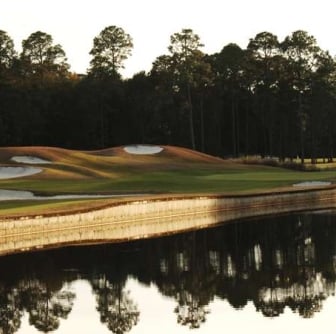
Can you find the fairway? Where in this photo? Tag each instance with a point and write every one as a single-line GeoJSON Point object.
{"type": "Point", "coordinates": [115, 171]}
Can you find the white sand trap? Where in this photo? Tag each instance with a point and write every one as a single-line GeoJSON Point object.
{"type": "Point", "coordinates": [143, 149]}
{"type": "Point", "coordinates": [14, 194]}
{"type": "Point", "coordinates": [6, 195]}
{"type": "Point", "coordinates": [27, 159]}
{"type": "Point", "coordinates": [13, 172]}
{"type": "Point", "coordinates": [312, 184]}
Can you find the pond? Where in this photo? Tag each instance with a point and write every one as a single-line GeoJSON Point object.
{"type": "Point", "coordinates": [263, 275]}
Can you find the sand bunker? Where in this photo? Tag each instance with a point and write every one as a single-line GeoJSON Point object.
{"type": "Point", "coordinates": [27, 159]}
{"type": "Point", "coordinates": [6, 195]}
{"type": "Point", "coordinates": [14, 194]}
{"type": "Point", "coordinates": [13, 172]}
{"type": "Point", "coordinates": [143, 149]}
{"type": "Point", "coordinates": [312, 184]}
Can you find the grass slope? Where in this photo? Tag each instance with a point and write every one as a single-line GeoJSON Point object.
{"type": "Point", "coordinates": [174, 170]}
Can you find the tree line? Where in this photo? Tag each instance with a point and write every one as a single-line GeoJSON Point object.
{"type": "Point", "coordinates": [273, 98]}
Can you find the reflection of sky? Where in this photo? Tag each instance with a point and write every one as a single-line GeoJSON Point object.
{"type": "Point", "coordinates": [157, 316]}
{"type": "Point", "coordinates": [84, 318]}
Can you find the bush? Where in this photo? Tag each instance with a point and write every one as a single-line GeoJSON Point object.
{"type": "Point", "coordinates": [275, 162]}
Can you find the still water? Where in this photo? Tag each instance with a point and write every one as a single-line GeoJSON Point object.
{"type": "Point", "coordinates": [257, 276]}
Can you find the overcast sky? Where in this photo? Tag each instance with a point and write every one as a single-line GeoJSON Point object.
{"type": "Point", "coordinates": [74, 23]}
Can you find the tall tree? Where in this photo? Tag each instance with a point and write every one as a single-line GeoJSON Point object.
{"type": "Point", "coordinates": [229, 69]}
{"type": "Point", "coordinates": [8, 58]}
{"type": "Point", "coordinates": [165, 96]}
{"type": "Point", "coordinates": [185, 50]}
{"type": "Point", "coordinates": [40, 56]}
{"type": "Point", "coordinates": [110, 49]}
{"type": "Point", "coordinates": [303, 55]}
{"type": "Point", "coordinates": [322, 108]}
{"type": "Point", "coordinates": [7, 51]}
{"type": "Point", "coordinates": [263, 50]}
{"type": "Point", "coordinates": [143, 121]}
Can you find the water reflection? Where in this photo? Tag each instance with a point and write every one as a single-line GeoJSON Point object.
{"type": "Point", "coordinates": [117, 310]}
{"type": "Point", "coordinates": [275, 263]}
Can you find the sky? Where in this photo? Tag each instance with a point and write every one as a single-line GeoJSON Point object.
{"type": "Point", "coordinates": [73, 24]}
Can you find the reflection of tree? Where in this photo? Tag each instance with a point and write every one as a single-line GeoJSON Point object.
{"type": "Point", "coordinates": [296, 282]}
{"type": "Point", "coordinates": [10, 310]}
{"type": "Point", "coordinates": [186, 275]}
{"type": "Point", "coordinates": [308, 294]}
{"type": "Point", "coordinates": [46, 307]}
{"type": "Point", "coordinates": [117, 310]}
{"type": "Point", "coordinates": [307, 306]}
{"type": "Point", "coordinates": [271, 308]}
{"type": "Point", "coordinates": [190, 311]}
{"type": "Point", "coordinates": [276, 263]}
{"type": "Point", "coordinates": [270, 299]}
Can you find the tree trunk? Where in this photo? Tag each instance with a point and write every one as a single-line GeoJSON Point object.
{"type": "Point", "coordinates": [247, 130]}
{"type": "Point", "coordinates": [313, 143]}
{"type": "Point", "coordinates": [101, 122]}
{"type": "Point", "coordinates": [237, 128]}
{"type": "Point", "coordinates": [202, 125]}
{"type": "Point", "coordinates": [330, 144]}
{"type": "Point", "coordinates": [233, 126]}
{"type": "Point", "coordinates": [191, 118]}
{"type": "Point", "coordinates": [301, 120]}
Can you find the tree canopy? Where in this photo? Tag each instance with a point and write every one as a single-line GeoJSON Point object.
{"type": "Point", "coordinates": [41, 55]}
{"type": "Point", "coordinates": [7, 52]}
{"type": "Point", "coordinates": [274, 98]}
{"type": "Point", "coordinates": [110, 49]}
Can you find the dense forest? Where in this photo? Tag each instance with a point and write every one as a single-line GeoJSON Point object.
{"type": "Point", "coordinates": [274, 98]}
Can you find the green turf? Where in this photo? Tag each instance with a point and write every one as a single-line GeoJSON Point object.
{"type": "Point", "coordinates": [110, 175]}
{"type": "Point", "coordinates": [171, 181]}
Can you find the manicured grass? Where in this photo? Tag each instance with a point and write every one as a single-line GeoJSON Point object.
{"type": "Point", "coordinates": [79, 172]}
{"type": "Point", "coordinates": [176, 181]}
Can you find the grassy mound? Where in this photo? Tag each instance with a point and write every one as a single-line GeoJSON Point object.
{"type": "Point", "coordinates": [173, 170]}
{"type": "Point", "coordinates": [103, 166]}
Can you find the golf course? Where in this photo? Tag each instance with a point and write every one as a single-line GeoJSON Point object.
{"type": "Point", "coordinates": [61, 179]}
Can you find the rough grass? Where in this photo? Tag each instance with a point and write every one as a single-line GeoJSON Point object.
{"type": "Point", "coordinates": [111, 171]}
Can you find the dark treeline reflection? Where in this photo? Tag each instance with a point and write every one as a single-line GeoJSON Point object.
{"type": "Point", "coordinates": [275, 263]}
